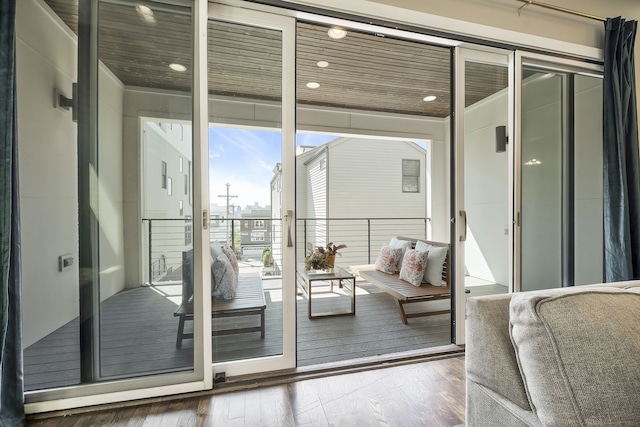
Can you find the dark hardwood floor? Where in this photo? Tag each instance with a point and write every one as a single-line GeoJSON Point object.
{"type": "Point", "coordinates": [430, 393]}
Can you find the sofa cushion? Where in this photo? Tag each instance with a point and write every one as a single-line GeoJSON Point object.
{"type": "Point", "coordinates": [578, 351]}
{"type": "Point", "coordinates": [490, 356]}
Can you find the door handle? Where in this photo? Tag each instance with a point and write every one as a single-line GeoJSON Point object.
{"type": "Point", "coordinates": [463, 236]}
{"type": "Point", "coordinates": [288, 217]}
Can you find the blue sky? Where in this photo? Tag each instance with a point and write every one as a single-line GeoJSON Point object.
{"type": "Point", "coordinates": [245, 158]}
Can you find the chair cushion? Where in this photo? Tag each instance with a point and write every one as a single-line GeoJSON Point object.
{"type": "Point", "coordinates": [578, 350]}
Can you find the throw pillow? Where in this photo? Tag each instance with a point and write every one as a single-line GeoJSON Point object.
{"type": "Point", "coordinates": [388, 259]}
{"type": "Point", "coordinates": [413, 267]}
{"type": "Point", "coordinates": [216, 250]}
{"type": "Point", "coordinates": [402, 244]}
{"type": "Point", "coordinates": [232, 258]}
{"type": "Point", "coordinates": [224, 278]}
{"type": "Point", "coordinates": [437, 256]}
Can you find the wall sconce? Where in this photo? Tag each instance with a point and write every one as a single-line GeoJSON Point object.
{"type": "Point", "coordinates": [64, 103]}
{"type": "Point", "coordinates": [501, 139]}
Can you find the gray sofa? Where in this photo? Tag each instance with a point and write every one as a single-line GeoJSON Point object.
{"type": "Point", "coordinates": [561, 357]}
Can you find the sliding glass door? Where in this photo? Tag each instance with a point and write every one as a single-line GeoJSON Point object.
{"type": "Point", "coordinates": [483, 178]}
{"type": "Point", "coordinates": [251, 148]}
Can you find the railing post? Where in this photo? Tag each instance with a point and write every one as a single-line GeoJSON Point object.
{"type": "Point", "coordinates": [150, 259]}
{"type": "Point", "coordinates": [305, 237]}
{"type": "Point", "coordinates": [233, 232]}
{"type": "Point", "coordinates": [368, 240]}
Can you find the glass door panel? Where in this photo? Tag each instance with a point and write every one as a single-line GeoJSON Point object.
{"type": "Point", "coordinates": [561, 178]}
{"type": "Point", "coordinates": [371, 165]}
{"type": "Point", "coordinates": [486, 179]}
{"type": "Point", "coordinates": [248, 135]}
{"type": "Point", "coordinates": [134, 212]}
{"type": "Point", "coordinates": [484, 184]}
{"type": "Point", "coordinates": [544, 179]}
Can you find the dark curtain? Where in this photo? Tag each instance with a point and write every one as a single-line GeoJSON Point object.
{"type": "Point", "coordinates": [11, 371]}
{"type": "Point", "coordinates": [620, 152]}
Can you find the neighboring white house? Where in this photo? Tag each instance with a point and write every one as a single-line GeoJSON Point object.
{"type": "Point", "coordinates": [167, 209]}
{"type": "Point", "coordinates": [360, 192]}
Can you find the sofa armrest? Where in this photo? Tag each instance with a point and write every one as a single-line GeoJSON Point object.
{"type": "Point", "coordinates": [490, 355]}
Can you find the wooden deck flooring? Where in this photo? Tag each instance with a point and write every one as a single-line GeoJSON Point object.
{"type": "Point", "coordinates": [139, 331]}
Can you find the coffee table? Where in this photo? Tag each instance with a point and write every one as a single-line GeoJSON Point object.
{"type": "Point", "coordinates": [344, 279]}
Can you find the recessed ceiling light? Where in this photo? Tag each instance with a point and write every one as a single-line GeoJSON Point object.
{"type": "Point", "coordinates": [178, 67]}
{"type": "Point", "coordinates": [322, 64]}
{"type": "Point", "coordinates": [429, 98]}
{"type": "Point", "coordinates": [337, 33]}
{"type": "Point", "coordinates": [313, 85]}
{"type": "Point", "coordinates": [533, 162]}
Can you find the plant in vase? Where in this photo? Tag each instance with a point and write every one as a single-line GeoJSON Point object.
{"type": "Point", "coordinates": [323, 257]}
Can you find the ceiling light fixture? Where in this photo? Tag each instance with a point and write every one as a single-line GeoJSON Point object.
{"type": "Point", "coordinates": [313, 85]}
{"type": "Point", "coordinates": [429, 98]}
{"type": "Point", "coordinates": [337, 33]}
{"type": "Point", "coordinates": [533, 162]}
{"type": "Point", "coordinates": [322, 64]}
{"type": "Point", "coordinates": [178, 67]}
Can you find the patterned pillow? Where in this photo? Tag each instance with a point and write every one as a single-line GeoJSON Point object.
{"type": "Point", "coordinates": [224, 278]}
{"type": "Point", "coordinates": [388, 258]}
{"type": "Point", "coordinates": [232, 258]}
{"type": "Point", "coordinates": [414, 264]}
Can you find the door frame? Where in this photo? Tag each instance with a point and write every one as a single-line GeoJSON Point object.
{"type": "Point", "coordinates": [458, 211]}
{"type": "Point", "coordinates": [287, 26]}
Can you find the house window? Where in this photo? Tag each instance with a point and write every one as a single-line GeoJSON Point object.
{"type": "Point", "coordinates": [164, 174]}
{"type": "Point", "coordinates": [186, 185]}
{"type": "Point", "coordinates": [258, 223]}
{"type": "Point", "coordinates": [410, 176]}
{"type": "Point", "coordinates": [180, 163]}
{"type": "Point", "coordinates": [257, 236]}
{"type": "Point", "coordinates": [189, 183]}
{"type": "Point", "coordinates": [188, 228]}
{"type": "Point", "coordinates": [181, 208]}
{"type": "Point", "coordinates": [169, 185]}
{"type": "Point", "coordinates": [246, 224]}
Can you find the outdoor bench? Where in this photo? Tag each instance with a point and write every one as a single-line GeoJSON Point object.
{"type": "Point", "coordinates": [406, 293]}
{"type": "Point", "coordinates": [248, 300]}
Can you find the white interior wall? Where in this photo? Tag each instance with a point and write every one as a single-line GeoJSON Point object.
{"type": "Point", "coordinates": [110, 190]}
{"type": "Point", "coordinates": [46, 59]}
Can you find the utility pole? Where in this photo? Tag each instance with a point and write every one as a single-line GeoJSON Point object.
{"type": "Point", "coordinates": [228, 198]}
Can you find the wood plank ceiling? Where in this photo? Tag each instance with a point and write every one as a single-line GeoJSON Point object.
{"type": "Point", "coordinates": [365, 72]}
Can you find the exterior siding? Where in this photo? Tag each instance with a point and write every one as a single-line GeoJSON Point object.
{"type": "Point", "coordinates": [168, 227]}
{"type": "Point", "coordinates": [357, 198]}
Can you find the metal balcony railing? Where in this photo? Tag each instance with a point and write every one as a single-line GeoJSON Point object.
{"type": "Point", "coordinates": [168, 238]}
